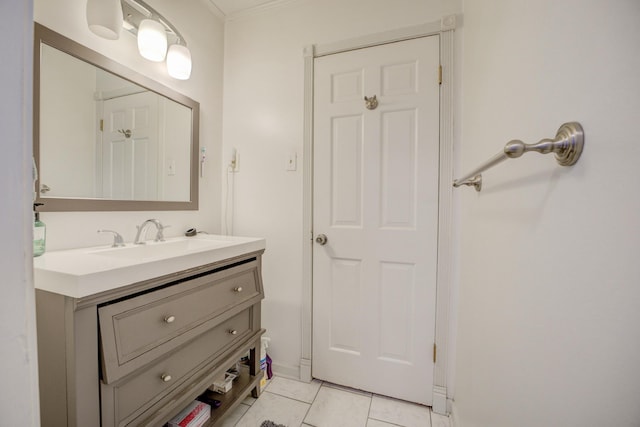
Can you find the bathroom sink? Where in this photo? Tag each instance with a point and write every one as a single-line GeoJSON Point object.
{"type": "Point", "coordinates": [169, 248]}
{"type": "Point", "coordinates": [84, 272]}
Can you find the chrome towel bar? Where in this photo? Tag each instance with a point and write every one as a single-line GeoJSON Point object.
{"type": "Point", "coordinates": [567, 146]}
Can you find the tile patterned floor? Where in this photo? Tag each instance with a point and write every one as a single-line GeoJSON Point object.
{"type": "Point", "coordinates": [318, 404]}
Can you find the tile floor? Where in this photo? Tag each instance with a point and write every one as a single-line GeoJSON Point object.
{"type": "Point", "coordinates": [318, 404]}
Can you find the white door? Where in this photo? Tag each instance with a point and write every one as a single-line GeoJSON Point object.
{"type": "Point", "coordinates": [130, 148]}
{"type": "Point", "coordinates": [375, 200]}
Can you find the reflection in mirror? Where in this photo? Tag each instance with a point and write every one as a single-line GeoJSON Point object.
{"type": "Point", "coordinates": [106, 142]}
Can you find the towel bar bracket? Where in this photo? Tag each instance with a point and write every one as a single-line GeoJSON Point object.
{"type": "Point", "coordinates": [570, 138]}
{"type": "Point", "coordinates": [476, 182]}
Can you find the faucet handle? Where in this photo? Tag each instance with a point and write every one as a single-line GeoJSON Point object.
{"type": "Point", "coordinates": [160, 233]}
{"type": "Point", "coordinates": [117, 238]}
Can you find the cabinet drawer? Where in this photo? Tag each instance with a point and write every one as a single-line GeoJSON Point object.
{"type": "Point", "coordinates": [137, 330]}
{"type": "Point", "coordinates": [135, 395]}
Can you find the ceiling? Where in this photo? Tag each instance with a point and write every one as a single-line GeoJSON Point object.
{"type": "Point", "coordinates": [234, 7]}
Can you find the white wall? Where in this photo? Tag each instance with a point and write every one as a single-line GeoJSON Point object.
{"type": "Point", "coordinates": [263, 120]}
{"type": "Point", "coordinates": [549, 282]}
{"type": "Point", "coordinates": [204, 33]}
{"type": "Point", "coordinates": [19, 368]}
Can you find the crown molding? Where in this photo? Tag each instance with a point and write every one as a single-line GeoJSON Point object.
{"type": "Point", "coordinates": [214, 8]}
{"type": "Point", "coordinates": [274, 4]}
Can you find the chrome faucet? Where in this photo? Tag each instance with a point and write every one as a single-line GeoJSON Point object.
{"type": "Point", "coordinates": [142, 231]}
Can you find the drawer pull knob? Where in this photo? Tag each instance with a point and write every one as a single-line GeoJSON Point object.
{"type": "Point", "coordinates": [166, 378]}
{"type": "Point", "coordinates": [233, 332]}
{"type": "Point", "coordinates": [238, 289]}
{"type": "Point", "coordinates": [170, 319]}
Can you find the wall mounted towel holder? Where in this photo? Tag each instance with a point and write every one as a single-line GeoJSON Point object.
{"type": "Point", "coordinates": [567, 146]}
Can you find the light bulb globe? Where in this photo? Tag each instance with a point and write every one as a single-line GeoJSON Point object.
{"type": "Point", "coordinates": [179, 62]}
{"type": "Point", "coordinates": [152, 40]}
{"type": "Point", "coordinates": [104, 18]}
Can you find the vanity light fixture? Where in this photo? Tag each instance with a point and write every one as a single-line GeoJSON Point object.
{"type": "Point", "coordinates": [153, 31]}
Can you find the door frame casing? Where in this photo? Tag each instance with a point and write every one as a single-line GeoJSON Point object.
{"type": "Point", "coordinates": [444, 28]}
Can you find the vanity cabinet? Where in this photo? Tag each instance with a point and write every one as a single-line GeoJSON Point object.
{"type": "Point", "coordinates": [138, 354]}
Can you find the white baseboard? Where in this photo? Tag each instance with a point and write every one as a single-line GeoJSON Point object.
{"type": "Point", "coordinates": [292, 372]}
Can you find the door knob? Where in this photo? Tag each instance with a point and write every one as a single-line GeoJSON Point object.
{"type": "Point", "coordinates": [321, 239]}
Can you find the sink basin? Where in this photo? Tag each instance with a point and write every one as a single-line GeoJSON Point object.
{"type": "Point", "coordinates": [84, 272]}
{"type": "Point", "coordinates": [169, 248]}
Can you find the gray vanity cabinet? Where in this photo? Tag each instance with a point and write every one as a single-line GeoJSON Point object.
{"type": "Point", "coordinates": [137, 355]}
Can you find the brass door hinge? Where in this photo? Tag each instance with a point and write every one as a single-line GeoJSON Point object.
{"type": "Point", "coordinates": [101, 125]}
{"type": "Point", "coordinates": [434, 352]}
{"type": "Point", "coordinates": [440, 74]}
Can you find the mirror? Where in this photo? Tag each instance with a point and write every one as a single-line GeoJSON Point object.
{"type": "Point", "coordinates": [106, 138]}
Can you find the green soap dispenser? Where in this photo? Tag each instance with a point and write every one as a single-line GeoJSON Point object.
{"type": "Point", "coordinates": [39, 232]}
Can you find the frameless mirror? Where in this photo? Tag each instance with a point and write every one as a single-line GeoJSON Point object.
{"type": "Point", "coordinates": [107, 138]}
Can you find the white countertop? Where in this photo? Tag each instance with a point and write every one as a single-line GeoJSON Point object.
{"type": "Point", "coordinates": [84, 272]}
